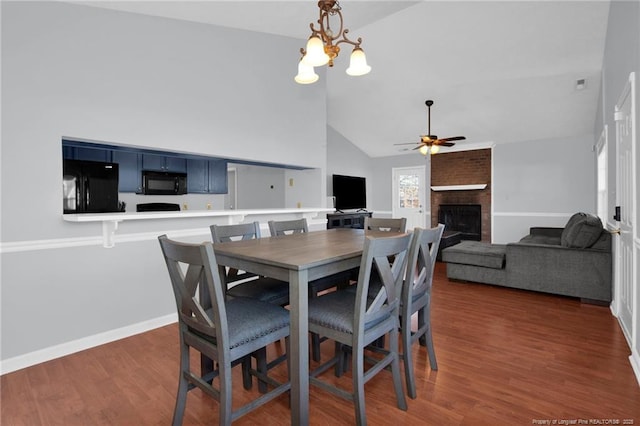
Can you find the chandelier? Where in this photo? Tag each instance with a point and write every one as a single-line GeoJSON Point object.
{"type": "Point", "coordinates": [323, 45]}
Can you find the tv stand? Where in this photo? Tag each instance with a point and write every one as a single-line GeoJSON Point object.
{"type": "Point", "coordinates": [347, 220]}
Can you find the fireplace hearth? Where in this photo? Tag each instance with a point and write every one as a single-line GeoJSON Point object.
{"type": "Point", "coordinates": [463, 218]}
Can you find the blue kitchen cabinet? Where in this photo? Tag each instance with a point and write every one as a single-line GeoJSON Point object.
{"type": "Point", "coordinates": [70, 152]}
{"type": "Point", "coordinates": [218, 176]}
{"type": "Point", "coordinates": [164, 163]}
{"type": "Point", "coordinates": [197, 176]}
{"type": "Point", "coordinates": [130, 164]}
{"type": "Point", "coordinates": [207, 176]}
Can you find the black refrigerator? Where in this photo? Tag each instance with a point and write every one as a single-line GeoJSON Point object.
{"type": "Point", "coordinates": [89, 186]}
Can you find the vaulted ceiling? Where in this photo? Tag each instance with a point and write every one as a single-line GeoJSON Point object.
{"type": "Point", "coordinates": [498, 71]}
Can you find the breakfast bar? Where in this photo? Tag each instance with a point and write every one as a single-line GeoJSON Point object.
{"type": "Point", "coordinates": [110, 221]}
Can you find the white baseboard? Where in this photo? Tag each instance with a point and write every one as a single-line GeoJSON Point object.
{"type": "Point", "coordinates": [63, 349]}
{"type": "Point", "coordinates": [634, 359]}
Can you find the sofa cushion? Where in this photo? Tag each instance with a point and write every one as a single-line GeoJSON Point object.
{"type": "Point", "coordinates": [476, 253]}
{"type": "Point", "coordinates": [567, 228]}
{"type": "Point", "coordinates": [582, 231]}
{"type": "Point", "coordinates": [541, 239]}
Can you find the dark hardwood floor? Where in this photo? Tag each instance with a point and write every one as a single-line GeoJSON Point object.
{"type": "Point", "coordinates": [505, 357]}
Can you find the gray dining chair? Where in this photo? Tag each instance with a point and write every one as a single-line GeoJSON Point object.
{"type": "Point", "coordinates": [416, 297]}
{"type": "Point", "coordinates": [296, 226]}
{"type": "Point", "coordinates": [355, 320]}
{"type": "Point", "coordinates": [385, 224]}
{"type": "Point", "coordinates": [286, 227]}
{"type": "Point", "coordinates": [244, 284]}
{"type": "Point", "coordinates": [225, 331]}
{"type": "Point", "coordinates": [398, 225]}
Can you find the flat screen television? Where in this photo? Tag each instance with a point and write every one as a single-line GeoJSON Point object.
{"type": "Point", "coordinates": [350, 192]}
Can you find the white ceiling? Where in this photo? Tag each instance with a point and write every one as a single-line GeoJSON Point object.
{"type": "Point", "coordinates": [498, 71]}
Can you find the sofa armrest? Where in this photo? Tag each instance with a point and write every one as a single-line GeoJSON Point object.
{"type": "Point", "coordinates": [584, 273]}
{"type": "Point", "coordinates": [546, 231]}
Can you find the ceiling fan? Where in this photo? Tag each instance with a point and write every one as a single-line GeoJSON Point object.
{"type": "Point", "coordinates": [431, 143]}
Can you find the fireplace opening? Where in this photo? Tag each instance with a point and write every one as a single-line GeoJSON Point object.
{"type": "Point", "coordinates": [463, 218]}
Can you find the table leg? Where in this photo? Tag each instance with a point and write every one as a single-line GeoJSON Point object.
{"type": "Point", "coordinates": [299, 346]}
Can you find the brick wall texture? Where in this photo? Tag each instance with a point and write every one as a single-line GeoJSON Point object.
{"type": "Point", "coordinates": [463, 168]}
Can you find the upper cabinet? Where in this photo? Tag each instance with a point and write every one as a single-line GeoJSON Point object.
{"type": "Point", "coordinates": [70, 152]}
{"type": "Point", "coordinates": [130, 165]}
{"type": "Point", "coordinates": [218, 176]}
{"type": "Point", "coordinates": [207, 176]}
{"type": "Point", "coordinates": [164, 163]}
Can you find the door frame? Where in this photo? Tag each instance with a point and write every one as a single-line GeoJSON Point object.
{"type": "Point", "coordinates": [629, 93]}
{"type": "Point", "coordinates": [426, 202]}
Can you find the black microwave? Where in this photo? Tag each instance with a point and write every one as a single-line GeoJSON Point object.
{"type": "Point", "coordinates": [163, 183]}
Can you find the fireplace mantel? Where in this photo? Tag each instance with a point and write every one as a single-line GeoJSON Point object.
{"type": "Point", "coordinates": [459, 187]}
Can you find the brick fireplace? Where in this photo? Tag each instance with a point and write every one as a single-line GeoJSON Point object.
{"type": "Point", "coordinates": [463, 168]}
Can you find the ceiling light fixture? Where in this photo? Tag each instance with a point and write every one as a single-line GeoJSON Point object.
{"type": "Point", "coordinates": [322, 46]}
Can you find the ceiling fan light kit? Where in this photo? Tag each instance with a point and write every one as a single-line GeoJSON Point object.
{"type": "Point", "coordinates": [323, 46]}
{"type": "Point", "coordinates": [431, 143]}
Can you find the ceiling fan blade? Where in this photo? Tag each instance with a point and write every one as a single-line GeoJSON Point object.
{"type": "Point", "coordinates": [453, 138]}
{"type": "Point", "coordinates": [418, 147]}
{"type": "Point", "coordinates": [445, 143]}
{"type": "Point", "coordinates": [410, 143]}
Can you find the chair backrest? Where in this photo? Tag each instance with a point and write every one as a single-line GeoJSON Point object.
{"type": "Point", "coordinates": [420, 265]}
{"type": "Point", "coordinates": [377, 254]}
{"type": "Point", "coordinates": [226, 233]}
{"type": "Point", "coordinates": [284, 227]}
{"type": "Point", "coordinates": [242, 231]}
{"type": "Point", "coordinates": [385, 224]}
{"type": "Point", "coordinates": [198, 290]}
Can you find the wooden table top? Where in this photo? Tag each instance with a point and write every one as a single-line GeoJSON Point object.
{"type": "Point", "coordinates": [300, 251]}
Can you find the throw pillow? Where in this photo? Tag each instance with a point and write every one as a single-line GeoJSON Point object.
{"type": "Point", "coordinates": [583, 232]}
{"type": "Point", "coordinates": [568, 227]}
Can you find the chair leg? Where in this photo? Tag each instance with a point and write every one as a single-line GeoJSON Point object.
{"type": "Point", "coordinates": [407, 356]}
{"type": "Point", "coordinates": [183, 386]}
{"type": "Point", "coordinates": [246, 374]}
{"type": "Point", "coordinates": [395, 368]}
{"type": "Point", "coordinates": [421, 323]}
{"type": "Point", "coordinates": [427, 339]}
{"type": "Point", "coordinates": [358, 385]}
{"type": "Point", "coordinates": [226, 392]}
{"type": "Point", "coordinates": [342, 359]}
{"type": "Point", "coordinates": [315, 347]}
{"type": "Point", "coordinates": [261, 361]}
{"type": "Point", "coordinates": [431, 350]}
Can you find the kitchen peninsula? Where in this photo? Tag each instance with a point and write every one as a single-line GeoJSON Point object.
{"type": "Point", "coordinates": [110, 221]}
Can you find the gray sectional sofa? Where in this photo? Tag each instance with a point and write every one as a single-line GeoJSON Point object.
{"type": "Point", "coordinates": [572, 261]}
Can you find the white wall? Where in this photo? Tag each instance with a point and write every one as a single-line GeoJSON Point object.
{"type": "Point", "coordinates": [541, 183]}
{"type": "Point", "coordinates": [303, 188]}
{"type": "Point", "coordinates": [259, 187]}
{"type": "Point", "coordinates": [89, 73]}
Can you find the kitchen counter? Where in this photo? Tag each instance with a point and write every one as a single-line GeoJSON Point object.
{"type": "Point", "coordinates": [110, 220]}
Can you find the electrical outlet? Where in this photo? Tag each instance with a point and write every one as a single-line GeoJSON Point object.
{"type": "Point", "coordinates": [208, 206]}
{"type": "Point", "coordinates": [290, 181]}
{"type": "Point", "coordinates": [185, 206]}
{"type": "Point", "coordinates": [299, 204]}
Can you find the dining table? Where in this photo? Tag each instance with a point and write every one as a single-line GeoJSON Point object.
{"type": "Point", "coordinates": [298, 258]}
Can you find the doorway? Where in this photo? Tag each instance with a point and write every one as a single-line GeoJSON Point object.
{"type": "Point", "coordinates": [231, 195]}
{"type": "Point", "coordinates": [409, 195]}
{"type": "Point", "coordinates": [626, 284]}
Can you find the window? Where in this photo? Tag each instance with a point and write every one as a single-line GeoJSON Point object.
{"type": "Point", "coordinates": [601, 172]}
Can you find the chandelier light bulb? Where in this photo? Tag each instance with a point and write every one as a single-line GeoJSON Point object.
{"type": "Point", "coordinates": [358, 63]}
{"type": "Point", "coordinates": [306, 74]}
{"type": "Point", "coordinates": [435, 149]}
{"type": "Point", "coordinates": [424, 150]}
{"type": "Point", "coordinates": [323, 45]}
{"type": "Point", "coordinates": [315, 55]}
